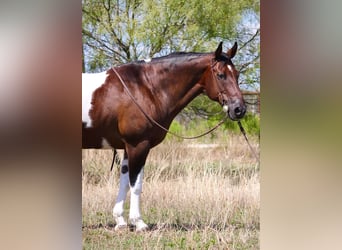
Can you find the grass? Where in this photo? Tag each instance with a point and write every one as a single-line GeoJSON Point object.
{"type": "Point", "coordinates": [193, 198]}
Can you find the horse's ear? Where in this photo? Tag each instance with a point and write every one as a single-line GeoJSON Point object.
{"type": "Point", "coordinates": [231, 52]}
{"type": "Point", "coordinates": [218, 51]}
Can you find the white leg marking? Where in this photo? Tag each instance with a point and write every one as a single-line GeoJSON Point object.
{"type": "Point", "coordinates": [105, 144]}
{"type": "Point", "coordinates": [90, 82]}
{"type": "Point", "coordinates": [134, 212]}
{"type": "Point", "coordinates": [118, 209]}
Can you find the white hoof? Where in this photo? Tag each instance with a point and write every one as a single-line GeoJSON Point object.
{"type": "Point", "coordinates": [139, 225]}
{"type": "Point", "coordinates": [120, 223]}
{"type": "Point", "coordinates": [120, 227]}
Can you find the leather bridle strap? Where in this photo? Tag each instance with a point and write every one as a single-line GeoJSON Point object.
{"type": "Point", "coordinates": [221, 95]}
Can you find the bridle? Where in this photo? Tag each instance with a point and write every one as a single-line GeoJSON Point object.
{"type": "Point", "coordinates": [223, 100]}
{"type": "Point", "coordinates": [221, 95]}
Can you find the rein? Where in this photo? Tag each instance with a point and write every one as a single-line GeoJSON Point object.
{"type": "Point", "coordinates": [249, 145]}
{"type": "Point", "coordinates": [117, 160]}
{"type": "Point", "coordinates": [158, 124]}
{"type": "Point", "coordinates": [174, 134]}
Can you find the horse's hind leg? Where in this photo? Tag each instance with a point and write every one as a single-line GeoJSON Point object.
{"type": "Point", "coordinates": [118, 209]}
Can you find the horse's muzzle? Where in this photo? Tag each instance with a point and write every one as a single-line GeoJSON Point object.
{"type": "Point", "coordinates": [237, 110]}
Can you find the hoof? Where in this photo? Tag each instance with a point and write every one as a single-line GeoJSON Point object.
{"type": "Point", "coordinates": [121, 227]}
{"type": "Point", "coordinates": [121, 224]}
{"type": "Point", "coordinates": [139, 225]}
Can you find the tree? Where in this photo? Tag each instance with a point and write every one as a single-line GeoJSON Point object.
{"type": "Point", "coordinates": [116, 32]}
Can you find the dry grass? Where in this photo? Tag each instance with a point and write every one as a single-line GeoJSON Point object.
{"type": "Point", "coordinates": [193, 198]}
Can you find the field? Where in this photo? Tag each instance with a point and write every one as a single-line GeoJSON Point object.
{"type": "Point", "coordinates": [194, 197]}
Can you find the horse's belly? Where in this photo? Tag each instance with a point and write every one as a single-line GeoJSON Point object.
{"type": "Point", "coordinates": [94, 138]}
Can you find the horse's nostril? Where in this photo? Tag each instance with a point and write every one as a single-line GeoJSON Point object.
{"type": "Point", "coordinates": [238, 111]}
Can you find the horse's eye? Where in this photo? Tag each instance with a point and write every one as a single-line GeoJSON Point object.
{"type": "Point", "coordinates": [221, 76]}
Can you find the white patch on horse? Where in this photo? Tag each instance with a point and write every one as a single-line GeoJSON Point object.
{"type": "Point", "coordinates": [90, 82]}
{"type": "Point", "coordinates": [230, 68]}
{"type": "Point", "coordinates": [134, 210]}
{"type": "Point", "coordinates": [148, 60]}
{"type": "Point", "coordinates": [105, 144]}
{"type": "Point", "coordinates": [118, 209]}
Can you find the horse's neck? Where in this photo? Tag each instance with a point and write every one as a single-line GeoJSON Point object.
{"type": "Point", "coordinates": [181, 103]}
{"type": "Point", "coordinates": [184, 86]}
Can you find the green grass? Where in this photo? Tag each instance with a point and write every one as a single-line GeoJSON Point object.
{"type": "Point", "coordinates": [169, 238]}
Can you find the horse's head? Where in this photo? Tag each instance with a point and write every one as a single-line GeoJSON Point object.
{"type": "Point", "coordinates": [221, 83]}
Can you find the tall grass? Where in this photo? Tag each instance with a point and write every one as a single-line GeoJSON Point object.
{"type": "Point", "coordinates": [193, 198]}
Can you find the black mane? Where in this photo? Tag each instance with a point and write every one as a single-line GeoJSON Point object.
{"type": "Point", "coordinates": [180, 55]}
{"type": "Point", "coordinates": [174, 57]}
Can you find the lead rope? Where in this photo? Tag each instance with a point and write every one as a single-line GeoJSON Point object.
{"type": "Point", "coordinates": [156, 123]}
{"type": "Point", "coordinates": [172, 133]}
{"type": "Point", "coordinates": [250, 147]}
{"type": "Point", "coordinates": [116, 159]}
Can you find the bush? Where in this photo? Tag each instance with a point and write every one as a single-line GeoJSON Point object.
{"type": "Point", "coordinates": [251, 124]}
{"type": "Point", "coordinates": [175, 128]}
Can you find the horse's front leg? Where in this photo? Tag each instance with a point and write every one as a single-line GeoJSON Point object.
{"type": "Point", "coordinates": [137, 157]}
{"type": "Point", "coordinates": [118, 209]}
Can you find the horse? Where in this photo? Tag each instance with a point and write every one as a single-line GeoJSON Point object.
{"type": "Point", "coordinates": [122, 107]}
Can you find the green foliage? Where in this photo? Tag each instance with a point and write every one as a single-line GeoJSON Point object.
{"type": "Point", "coordinates": [126, 30]}
{"type": "Point", "coordinates": [188, 25]}
{"type": "Point", "coordinates": [175, 128]}
{"type": "Point", "coordinates": [250, 122]}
